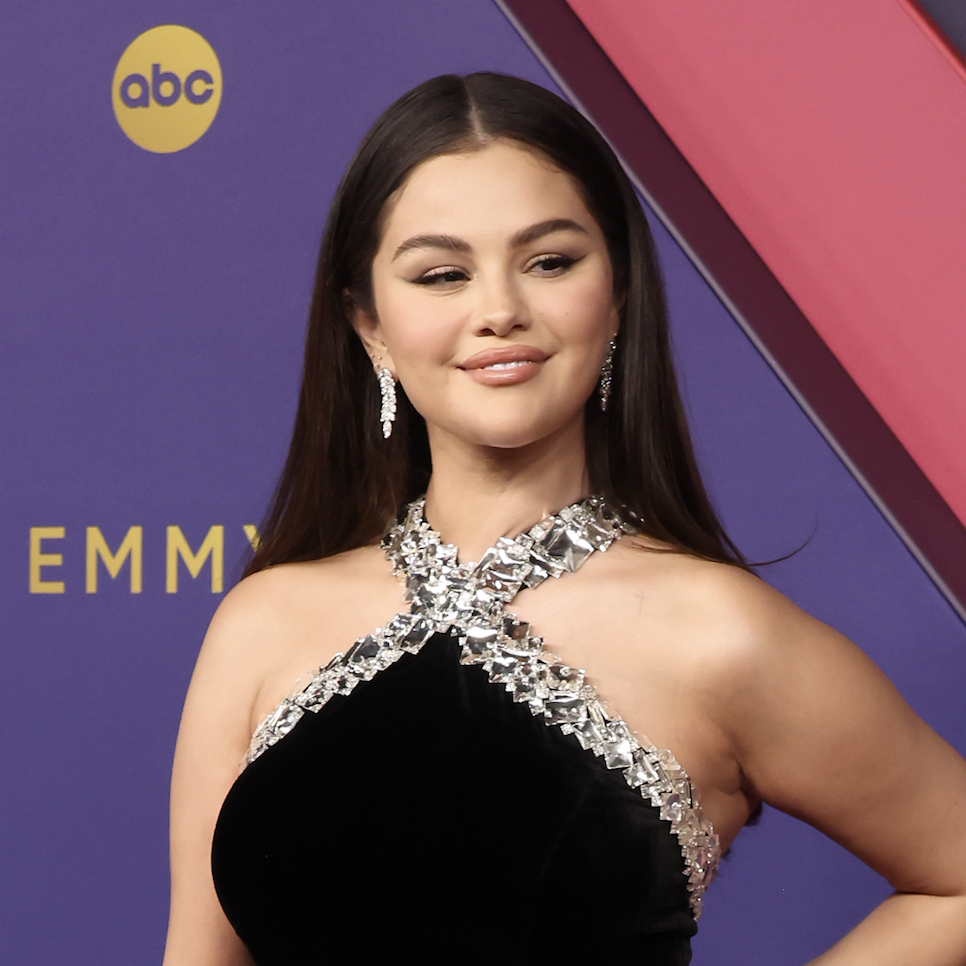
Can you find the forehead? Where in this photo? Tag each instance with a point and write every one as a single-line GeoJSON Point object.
{"type": "Point", "coordinates": [495, 190]}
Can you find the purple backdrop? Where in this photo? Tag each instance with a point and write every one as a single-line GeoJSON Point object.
{"type": "Point", "coordinates": [151, 315]}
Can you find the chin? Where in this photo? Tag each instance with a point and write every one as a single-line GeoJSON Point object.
{"type": "Point", "coordinates": [509, 443]}
{"type": "Point", "coordinates": [513, 432]}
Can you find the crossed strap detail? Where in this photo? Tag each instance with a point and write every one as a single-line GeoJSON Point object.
{"type": "Point", "coordinates": [469, 602]}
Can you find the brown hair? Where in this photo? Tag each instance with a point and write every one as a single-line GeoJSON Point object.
{"type": "Point", "coordinates": [343, 483]}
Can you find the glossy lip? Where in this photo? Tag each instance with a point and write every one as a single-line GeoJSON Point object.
{"type": "Point", "coordinates": [531, 357]}
{"type": "Point", "coordinates": [509, 353]}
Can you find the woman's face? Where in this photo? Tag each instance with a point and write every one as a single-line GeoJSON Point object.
{"type": "Point", "coordinates": [493, 297]}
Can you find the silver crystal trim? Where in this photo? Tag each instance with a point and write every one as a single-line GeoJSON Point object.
{"type": "Point", "coordinates": [469, 601]}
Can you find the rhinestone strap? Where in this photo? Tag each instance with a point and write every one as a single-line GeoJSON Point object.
{"type": "Point", "coordinates": [469, 601]}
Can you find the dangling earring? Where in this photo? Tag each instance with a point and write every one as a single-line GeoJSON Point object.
{"type": "Point", "coordinates": [387, 388]}
{"type": "Point", "coordinates": [607, 374]}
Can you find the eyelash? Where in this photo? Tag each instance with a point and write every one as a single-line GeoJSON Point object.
{"type": "Point", "coordinates": [436, 276]}
{"type": "Point", "coordinates": [558, 265]}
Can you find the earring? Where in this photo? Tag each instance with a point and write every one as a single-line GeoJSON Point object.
{"type": "Point", "coordinates": [387, 389]}
{"type": "Point", "coordinates": [607, 374]}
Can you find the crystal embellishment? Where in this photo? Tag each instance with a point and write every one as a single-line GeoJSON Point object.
{"type": "Point", "coordinates": [469, 602]}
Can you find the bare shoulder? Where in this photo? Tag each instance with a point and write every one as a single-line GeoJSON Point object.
{"type": "Point", "coordinates": [281, 592]}
{"type": "Point", "coordinates": [722, 615]}
{"type": "Point", "coordinates": [271, 629]}
{"type": "Point", "coordinates": [742, 650]}
{"type": "Point", "coordinates": [705, 625]}
{"type": "Point", "coordinates": [273, 608]}
{"type": "Point", "coordinates": [740, 624]}
{"type": "Point", "coordinates": [282, 623]}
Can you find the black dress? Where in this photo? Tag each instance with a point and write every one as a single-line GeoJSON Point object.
{"type": "Point", "coordinates": [458, 795]}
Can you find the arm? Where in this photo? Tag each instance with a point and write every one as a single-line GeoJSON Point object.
{"type": "Point", "coordinates": [212, 740]}
{"type": "Point", "coordinates": [821, 734]}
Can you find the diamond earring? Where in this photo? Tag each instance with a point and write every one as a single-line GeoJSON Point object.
{"type": "Point", "coordinates": [387, 389]}
{"type": "Point", "coordinates": [607, 375]}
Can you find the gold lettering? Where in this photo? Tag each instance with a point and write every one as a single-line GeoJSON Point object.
{"type": "Point", "coordinates": [131, 546]}
{"type": "Point", "coordinates": [213, 546]}
{"type": "Point", "coordinates": [40, 559]}
{"type": "Point", "coordinates": [251, 531]}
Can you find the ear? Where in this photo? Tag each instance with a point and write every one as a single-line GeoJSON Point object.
{"type": "Point", "coordinates": [369, 330]}
{"type": "Point", "coordinates": [615, 317]}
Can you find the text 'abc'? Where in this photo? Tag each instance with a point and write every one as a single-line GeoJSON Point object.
{"type": "Point", "coordinates": [198, 87]}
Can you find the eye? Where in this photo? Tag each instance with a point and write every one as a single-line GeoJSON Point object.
{"type": "Point", "coordinates": [444, 276]}
{"type": "Point", "coordinates": [550, 266]}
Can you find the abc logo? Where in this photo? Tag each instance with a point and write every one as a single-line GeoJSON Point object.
{"type": "Point", "coordinates": [166, 88]}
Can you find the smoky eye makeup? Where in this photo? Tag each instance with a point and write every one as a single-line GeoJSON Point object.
{"type": "Point", "coordinates": [446, 274]}
{"type": "Point", "coordinates": [552, 263]}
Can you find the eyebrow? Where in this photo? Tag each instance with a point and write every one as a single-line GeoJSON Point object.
{"type": "Point", "coordinates": [447, 242]}
{"type": "Point", "coordinates": [542, 228]}
{"type": "Point", "coordinates": [523, 237]}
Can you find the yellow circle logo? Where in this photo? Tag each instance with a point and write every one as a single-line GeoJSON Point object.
{"type": "Point", "coordinates": [166, 89]}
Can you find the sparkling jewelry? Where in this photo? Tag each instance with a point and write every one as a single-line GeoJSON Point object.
{"type": "Point", "coordinates": [607, 374]}
{"type": "Point", "coordinates": [468, 601]}
{"type": "Point", "coordinates": [387, 389]}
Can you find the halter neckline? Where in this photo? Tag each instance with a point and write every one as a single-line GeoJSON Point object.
{"type": "Point", "coordinates": [469, 601]}
{"type": "Point", "coordinates": [559, 543]}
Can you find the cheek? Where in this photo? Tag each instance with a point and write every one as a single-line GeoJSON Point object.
{"type": "Point", "coordinates": [583, 314]}
{"type": "Point", "coordinates": [416, 332]}
{"type": "Point", "coordinates": [419, 344]}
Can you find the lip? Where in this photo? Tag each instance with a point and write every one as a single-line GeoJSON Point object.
{"type": "Point", "coordinates": [529, 361]}
{"type": "Point", "coordinates": [510, 353]}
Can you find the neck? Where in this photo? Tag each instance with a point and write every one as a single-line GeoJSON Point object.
{"type": "Point", "coordinates": [478, 494]}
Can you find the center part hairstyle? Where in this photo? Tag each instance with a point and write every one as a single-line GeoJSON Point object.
{"type": "Point", "coordinates": [343, 484]}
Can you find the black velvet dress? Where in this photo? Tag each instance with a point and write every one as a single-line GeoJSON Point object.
{"type": "Point", "coordinates": [456, 796]}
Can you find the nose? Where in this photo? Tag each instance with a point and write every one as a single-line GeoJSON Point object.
{"type": "Point", "coordinates": [502, 308]}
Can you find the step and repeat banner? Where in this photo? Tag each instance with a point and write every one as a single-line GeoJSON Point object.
{"type": "Point", "coordinates": [165, 169]}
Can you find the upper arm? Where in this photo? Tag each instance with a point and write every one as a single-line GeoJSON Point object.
{"type": "Point", "coordinates": [212, 741]}
{"type": "Point", "coordinates": [821, 733]}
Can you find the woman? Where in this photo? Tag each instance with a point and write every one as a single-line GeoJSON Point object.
{"type": "Point", "coordinates": [488, 328]}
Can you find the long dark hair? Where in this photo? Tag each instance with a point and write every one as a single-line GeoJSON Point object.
{"type": "Point", "coordinates": [343, 483]}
